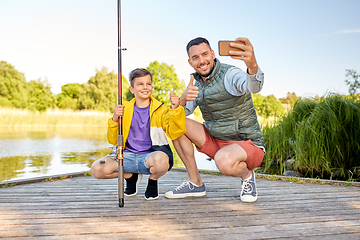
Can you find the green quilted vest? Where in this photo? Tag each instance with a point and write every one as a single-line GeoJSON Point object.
{"type": "Point", "coordinates": [227, 117]}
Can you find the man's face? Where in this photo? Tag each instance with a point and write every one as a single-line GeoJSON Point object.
{"type": "Point", "coordinates": [142, 87]}
{"type": "Point", "coordinates": [201, 58]}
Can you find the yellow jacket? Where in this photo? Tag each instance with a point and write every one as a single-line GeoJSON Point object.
{"type": "Point", "coordinates": [163, 121]}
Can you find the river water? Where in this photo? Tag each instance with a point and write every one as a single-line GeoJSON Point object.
{"type": "Point", "coordinates": [29, 153]}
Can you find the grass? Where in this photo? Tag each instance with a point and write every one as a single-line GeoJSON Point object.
{"type": "Point", "coordinates": [321, 136]}
{"type": "Point", "coordinates": [20, 118]}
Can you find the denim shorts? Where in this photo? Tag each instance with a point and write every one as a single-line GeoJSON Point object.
{"type": "Point", "coordinates": [133, 162]}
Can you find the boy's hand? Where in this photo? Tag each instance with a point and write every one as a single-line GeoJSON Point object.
{"type": "Point", "coordinates": [174, 100]}
{"type": "Point", "coordinates": [118, 111]}
{"type": "Point", "coordinates": [191, 92]}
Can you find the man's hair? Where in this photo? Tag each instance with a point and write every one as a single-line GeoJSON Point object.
{"type": "Point", "coordinates": [138, 72]}
{"type": "Point", "coordinates": [196, 41]}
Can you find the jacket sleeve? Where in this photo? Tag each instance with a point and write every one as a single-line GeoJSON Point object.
{"type": "Point", "coordinates": [112, 131]}
{"type": "Point", "coordinates": [173, 122]}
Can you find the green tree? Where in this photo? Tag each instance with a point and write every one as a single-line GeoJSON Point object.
{"type": "Point", "coordinates": [13, 87]}
{"type": "Point", "coordinates": [40, 95]}
{"type": "Point", "coordinates": [272, 107]}
{"type": "Point", "coordinates": [267, 106]}
{"type": "Point", "coordinates": [258, 102]}
{"type": "Point", "coordinates": [101, 91]}
{"type": "Point", "coordinates": [352, 80]}
{"type": "Point", "coordinates": [165, 80]}
{"type": "Point", "coordinates": [69, 96]}
{"type": "Point", "coordinates": [291, 99]}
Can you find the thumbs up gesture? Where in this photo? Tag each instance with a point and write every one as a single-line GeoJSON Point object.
{"type": "Point", "coordinates": [174, 100]}
{"type": "Point", "coordinates": [191, 92]}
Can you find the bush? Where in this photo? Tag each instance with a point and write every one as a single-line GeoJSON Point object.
{"type": "Point", "coordinates": [322, 136]}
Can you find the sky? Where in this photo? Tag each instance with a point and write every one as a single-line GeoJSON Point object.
{"type": "Point", "coordinates": [302, 46]}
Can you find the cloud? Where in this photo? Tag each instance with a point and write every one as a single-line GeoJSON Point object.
{"type": "Point", "coordinates": [346, 31]}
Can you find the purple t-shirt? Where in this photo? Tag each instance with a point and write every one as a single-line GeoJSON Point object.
{"type": "Point", "coordinates": [139, 140]}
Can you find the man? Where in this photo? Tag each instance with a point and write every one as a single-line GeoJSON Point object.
{"type": "Point", "coordinates": [231, 133]}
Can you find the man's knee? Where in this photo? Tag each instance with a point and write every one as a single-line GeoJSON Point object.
{"type": "Point", "coordinates": [231, 169]}
{"type": "Point", "coordinates": [224, 167]}
{"type": "Point", "coordinates": [228, 164]}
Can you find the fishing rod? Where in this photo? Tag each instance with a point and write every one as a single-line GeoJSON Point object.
{"type": "Point", "coordinates": [120, 149]}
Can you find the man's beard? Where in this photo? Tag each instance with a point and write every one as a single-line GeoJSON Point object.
{"type": "Point", "coordinates": [207, 74]}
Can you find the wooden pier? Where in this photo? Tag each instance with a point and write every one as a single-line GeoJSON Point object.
{"type": "Point", "coordinates": [87, 208]}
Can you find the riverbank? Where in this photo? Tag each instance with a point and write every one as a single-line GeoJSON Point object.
{"type": "Point", "coordinates": [23, 118]}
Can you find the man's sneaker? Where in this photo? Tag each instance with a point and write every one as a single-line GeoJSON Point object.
{"type": "Point", "coordinates": [151, 192]}
{"type": "Point", "coordinates": [132, 184]}
{"type": "Point", "coordinates": [248, 189]}
{"type": "Point", "coordinates": [186, 189]}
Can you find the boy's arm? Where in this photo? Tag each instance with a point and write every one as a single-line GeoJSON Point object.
{"type": "Point", "coordinates": [174, 100]}
{"type": "Point", "coordinates": [113, 125]}
{"type": "Point", "coordinates": [112, 131]}
{"type": "Point", "coordinates": [173, 122]}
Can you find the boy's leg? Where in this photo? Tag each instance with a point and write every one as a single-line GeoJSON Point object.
{"type": "Point", "coordinates": [105, 168]}
{"type": "Point", "coordinates": [158, 164]}
{"type": "Point", "coordinates": [132, 184]}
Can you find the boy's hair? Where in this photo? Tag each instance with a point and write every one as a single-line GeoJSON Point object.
{"type": "Point", "coordinates": [196, 41]}
{"type": "Point", "coordinates": [138, 72]}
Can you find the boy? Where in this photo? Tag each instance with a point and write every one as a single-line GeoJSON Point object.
{"type": "Point", "coordinates": [146, 149]}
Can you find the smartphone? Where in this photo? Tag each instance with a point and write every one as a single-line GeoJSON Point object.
{"type": "Point", "coordinates": [224, 47]}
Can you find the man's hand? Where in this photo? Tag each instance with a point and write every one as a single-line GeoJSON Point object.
{"type": "Point", "coordinates": [118, 111]}
{"type": "Point", "coordinates": [246, 54]}
{"type": "Point", "coordinates": [191, 92]}
{"type": "Point", "coordinates": [174, 100]}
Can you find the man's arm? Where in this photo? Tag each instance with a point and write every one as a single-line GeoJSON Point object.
{"type": "Point", "coordinates": [238, 82]}
{"type": "Point", "coordinates": [187, 99]}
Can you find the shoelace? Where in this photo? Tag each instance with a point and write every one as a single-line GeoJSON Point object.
{"type": "Point", "coordinates": [184, 185]}
{"type": "Point", "coordinates": [247, 186]}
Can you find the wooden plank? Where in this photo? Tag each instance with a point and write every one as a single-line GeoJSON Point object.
{"type": "Point", "coordinates": [86, 208]}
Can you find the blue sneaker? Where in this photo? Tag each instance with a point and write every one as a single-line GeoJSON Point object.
{"type": "Point", "coordinates": [248, 189]}
{"type": "Point", "coordinates": [186, 189]}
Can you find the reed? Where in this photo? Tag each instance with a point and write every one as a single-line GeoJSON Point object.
{"type": "Point", "coordinates": [15, 118]}
{"type": "Point", "coordinates": [321, 136]}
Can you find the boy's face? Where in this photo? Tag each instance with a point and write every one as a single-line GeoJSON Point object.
{"type": "Point", "coordinates": [142, 87]}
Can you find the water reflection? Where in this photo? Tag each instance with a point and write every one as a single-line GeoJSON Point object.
{"type": "Point", "coordinates": [11, 167]}
{"type": "Point", "coordinates": [28, 153]}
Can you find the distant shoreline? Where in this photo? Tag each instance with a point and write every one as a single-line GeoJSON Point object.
{"type": "Point", "coordinates": [24, 118]}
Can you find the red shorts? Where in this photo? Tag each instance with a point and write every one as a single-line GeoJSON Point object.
{"type": "Point", "coordinates": [255, 154]}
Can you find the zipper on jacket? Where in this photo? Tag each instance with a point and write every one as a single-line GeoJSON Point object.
{"type": "Point", "coordinates": [207, 106]}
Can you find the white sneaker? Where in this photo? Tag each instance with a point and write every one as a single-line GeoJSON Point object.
{"type": "Point", "coordinates": [248, 189]}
